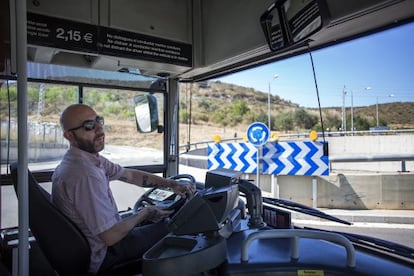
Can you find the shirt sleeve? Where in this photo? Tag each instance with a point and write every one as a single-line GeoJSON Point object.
{"type": "Point", "coordinates": [113, 171]}
{"type": "Point", "coordinates": [95, 204]}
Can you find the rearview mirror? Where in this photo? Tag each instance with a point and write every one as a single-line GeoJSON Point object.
{"type": "Point", "coordinates": [289, 22]}
{"type": "Point", "coordinates": [146, 113]}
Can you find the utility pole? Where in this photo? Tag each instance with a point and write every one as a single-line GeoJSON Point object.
{"type": "Point", "coordinates": [352, 112]}
{"type": "Point", "coordinates": [343, 110]}
{"type": "Point", "coordinates": [377, 113]}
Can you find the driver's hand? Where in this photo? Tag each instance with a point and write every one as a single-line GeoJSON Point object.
{"type": "Point", "coordinates": [185, 190]}
{"type": "Point", "coordinates": [156, 214]}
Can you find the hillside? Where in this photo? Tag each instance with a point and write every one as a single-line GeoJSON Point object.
{"type": "Point", "coordinates": [225, 109]}
{"type": "Point", "coordinates": [206, 109]}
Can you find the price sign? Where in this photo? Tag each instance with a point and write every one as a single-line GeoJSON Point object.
{"type": "Point", "coordinates": [60, 33]}
{"type": "Point", "coordinates": [81, 37]}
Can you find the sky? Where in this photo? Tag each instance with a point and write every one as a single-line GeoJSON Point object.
{"type": "Point", "coordinates": [378, 68]}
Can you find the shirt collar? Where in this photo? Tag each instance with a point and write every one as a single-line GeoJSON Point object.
{"type": "Point", "coordinates": [94, 158]}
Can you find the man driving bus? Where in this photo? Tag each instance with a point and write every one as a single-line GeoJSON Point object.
{"type": "Point", "coordinates": [81, 191]}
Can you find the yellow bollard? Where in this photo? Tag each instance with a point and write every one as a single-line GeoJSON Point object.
{"type": "Point", "coordinates": [274, 137]}
{"type": "Point", "coordinates": [217, 138]}
{"type": "Point", "coordinates": [313, 135]}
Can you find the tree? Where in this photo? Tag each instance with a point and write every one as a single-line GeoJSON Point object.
{"type": "Point", "coordinates": [332, 122]}
{"type": "Point", "coordinates": [239, 108]}
{"type": "Point", "coordinates": [220, 117]}
{"type": "Point", "coordinates": [284, 122]}
{"type": "Point", "coordinates": [237, 111]}
{"type": "Point", "coordinates": [183, 116]}
{"type": "Point", "coordinates": [361, 123]}
{"type": "Point", "coordinates": [259, 116]}
{"type": "Point", "coordinates": [304, 120]}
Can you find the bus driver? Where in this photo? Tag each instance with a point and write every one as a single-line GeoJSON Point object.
{"type": "Point", "coordinates": [81, 191]}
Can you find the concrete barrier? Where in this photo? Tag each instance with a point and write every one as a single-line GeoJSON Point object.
{"type": "Point", "coordinates": [344, 191]}
{"type": "Point", "coordinates": [37, 152]}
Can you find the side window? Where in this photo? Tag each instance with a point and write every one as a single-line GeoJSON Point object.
{"type": "Point", "coordinates": [45, 103]}
{"type": "Point", "coordinates": [123, 143]}
{"type": "Point", "coordinates": [46, 144]}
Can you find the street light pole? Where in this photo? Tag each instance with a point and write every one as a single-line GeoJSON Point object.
{"type": "Point", "coordinates": [352, 112]}
{"type": "Point", "coordinates": [377, 113]}
{"type": "Point", "coordinates": [352, 108]}
{"type": "Point", "coordinates": [268, 103]}
{"type": "Point", "coordinates": [343, 110]}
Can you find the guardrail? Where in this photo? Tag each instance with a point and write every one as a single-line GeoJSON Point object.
{"type": "Point", "coordinates": [337, 159]}
{"type": "Point", "coordinates": [373, 158]}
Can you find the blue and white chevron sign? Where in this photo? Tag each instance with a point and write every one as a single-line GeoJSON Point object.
{"type": "Point", "coordinates": [235, 156]}
{"type": "Point", "coordinates": [280, 158]}
{"type": "Point", "coordinates": [295, 158]}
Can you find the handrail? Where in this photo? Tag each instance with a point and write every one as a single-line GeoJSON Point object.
{"type": "Point", "coordinates": [299, 233]}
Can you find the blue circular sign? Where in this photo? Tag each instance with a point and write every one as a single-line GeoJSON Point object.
{"type": "Point", "coordinates": [258, 134]}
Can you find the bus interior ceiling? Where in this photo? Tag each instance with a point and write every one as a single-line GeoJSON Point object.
{"type": "Point", "coordinates": [187, 40]}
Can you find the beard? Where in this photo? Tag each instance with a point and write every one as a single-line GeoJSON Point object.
{"type": "Point", "coordinates": [93, 146]}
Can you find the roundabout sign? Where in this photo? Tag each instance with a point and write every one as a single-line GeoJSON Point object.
{"type": "Point", "coordinates": [258, 134]}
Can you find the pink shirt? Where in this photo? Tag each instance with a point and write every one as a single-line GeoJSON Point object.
{"type": "Point", "coordinates": [81, 191]}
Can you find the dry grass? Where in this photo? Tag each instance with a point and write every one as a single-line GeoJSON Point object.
{"type": "Point", "coordinates": [125, 133]}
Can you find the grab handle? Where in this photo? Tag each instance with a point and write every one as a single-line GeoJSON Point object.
{"type": "Point", "coordinates": [296, 234]}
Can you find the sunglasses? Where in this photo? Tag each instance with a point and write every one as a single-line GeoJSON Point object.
{"type": "Point", "coordinates": [89, 125]}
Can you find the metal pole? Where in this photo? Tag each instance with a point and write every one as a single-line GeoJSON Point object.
{"type": "Point", "coordinates": [352, 112]}
{"type": "Point", "coordinates": [22, 137]}
{"type": "Point", "coordinates": [173, 131]}
{"type": "Point", "coordinates": [377, 113]}
{"type": "Point", "coordinates": [343, 109]}
{"type": "Point", "coordinates": [268, 108]}
{"type": "Point", "coordinates": [258, 166]}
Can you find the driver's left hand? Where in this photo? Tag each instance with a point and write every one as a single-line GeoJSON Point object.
{"type": "Point", "coordinates": [183, 189]}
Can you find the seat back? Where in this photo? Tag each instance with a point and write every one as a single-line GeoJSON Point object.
{"type": "Point", "coordinates": [63, 244]}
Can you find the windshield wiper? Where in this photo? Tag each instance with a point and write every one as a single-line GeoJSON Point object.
{"type": "Point", "coordinates": [375, 243]}
{"type": "Point", "coordinates": [302, 209]}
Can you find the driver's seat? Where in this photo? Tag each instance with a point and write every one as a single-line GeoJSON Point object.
{"type": "Point", "coordinates": [63, 244]}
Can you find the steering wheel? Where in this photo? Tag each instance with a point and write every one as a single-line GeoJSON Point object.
{"type": "Point", "coordinates": [164, 197]}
